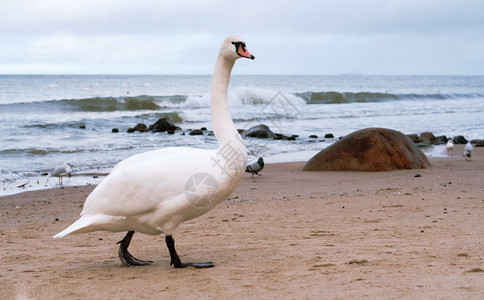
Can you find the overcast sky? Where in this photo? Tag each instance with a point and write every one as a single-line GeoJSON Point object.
{"type": "Point", "coordinates": [438, 37]}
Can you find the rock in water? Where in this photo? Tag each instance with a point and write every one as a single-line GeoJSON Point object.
{"type": "Point", "coordinates": [460, 140]}
{"type": "Point", "coordinates": [140, 127]}
{"type": "Point", "coordinates": [426, 137]}
{"type": "Point", "coordinates": [440, 140]}
{"type": "Point", "coordinates": [413, 137]}
{"type": "Point", "coordinates": [478, 143]}
{"type": "Point", "coordinates": [162, 125]}
{"type": "Point", "coordinates": [259, 131]}
{"type": "Point", "coordinates": [196, 132]}
{"type": "Point", "coordinates": [371, 149]}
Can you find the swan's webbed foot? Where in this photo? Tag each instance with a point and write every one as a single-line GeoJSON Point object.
{"type": "Point", "coordinates": [126, 258]}
{"type": "Point", "coordinates": [175, 259]}
{"type": "Point", "coordinates": [195, 265]}
{"type": "Point", "coordinates": [129, 260]}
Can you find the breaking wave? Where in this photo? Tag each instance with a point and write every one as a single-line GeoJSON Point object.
{"type": "Point", "coordinates": [362, 97]}
{"type": "Point", "coordinates": [237, 96]}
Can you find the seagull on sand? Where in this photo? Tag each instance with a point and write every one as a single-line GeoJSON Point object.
{"type": "Point", "coordinates": [468, 151]}
{"type": "Point", "coordinates": [255, 167]}
{"type": "Point", "coordinates": [64, 170]}
{"type": "Point", "coordinates": [450, 147]}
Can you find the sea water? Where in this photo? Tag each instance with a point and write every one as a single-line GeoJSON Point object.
{"type": "Point", "coordinates": [46, 120]}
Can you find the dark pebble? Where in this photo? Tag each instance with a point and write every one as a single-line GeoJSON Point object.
{"type": "Point", "coordinates": [196, 132]}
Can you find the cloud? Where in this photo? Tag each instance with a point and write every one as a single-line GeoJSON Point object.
{"type": "Point", "coordinates": [213, 16]}
{"type": "Point", "coordinates": [306, 37]}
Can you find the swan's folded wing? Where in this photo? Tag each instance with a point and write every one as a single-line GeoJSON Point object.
{"type": "Point", "coordinates": [139, 184]}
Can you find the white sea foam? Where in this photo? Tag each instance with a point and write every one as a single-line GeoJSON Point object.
{"type": "Point", "coordinates": [260, 96]}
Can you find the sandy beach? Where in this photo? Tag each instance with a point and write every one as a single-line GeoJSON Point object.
{"type": "Point", "coordinates": [285, 235]}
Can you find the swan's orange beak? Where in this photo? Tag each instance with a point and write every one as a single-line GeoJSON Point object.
{"type": "Point", "coordinates": [242, 51]}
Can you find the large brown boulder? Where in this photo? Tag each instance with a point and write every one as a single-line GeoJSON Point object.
{"type": "Point", "coordinates": [371, 149]}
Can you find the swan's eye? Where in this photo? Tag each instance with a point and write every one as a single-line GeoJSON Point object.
{"type": "Point", "coordinates": [238, 45]}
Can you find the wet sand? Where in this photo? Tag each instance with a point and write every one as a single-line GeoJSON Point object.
{"type": "Point", "coordinates": [285, 235]}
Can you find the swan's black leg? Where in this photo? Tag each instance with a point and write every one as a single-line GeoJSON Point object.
{"type": "Point", "coordinates": [126, 258]}
{"type": "Point", "coordinates": [175, 259]}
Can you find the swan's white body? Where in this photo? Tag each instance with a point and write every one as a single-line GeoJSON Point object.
{"type": "Point", "coordinates": [150, 192]}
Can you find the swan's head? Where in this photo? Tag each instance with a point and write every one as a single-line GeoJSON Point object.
{"type": "Point", "coordinates": [234, 48]}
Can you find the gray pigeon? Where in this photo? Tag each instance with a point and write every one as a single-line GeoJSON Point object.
{"type": "Point", "coordinates": [468, 151]}
{"type": "Point", "coordinates": [256, 167]}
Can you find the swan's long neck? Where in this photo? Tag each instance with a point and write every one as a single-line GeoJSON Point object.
{"type": "Point", "coordinates": [223, 126]}
{"type": "Point", "coordinates": [224, 129]}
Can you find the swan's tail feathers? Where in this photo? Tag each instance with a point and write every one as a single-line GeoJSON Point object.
{"type": "Point", "coordinates": [88, 223]}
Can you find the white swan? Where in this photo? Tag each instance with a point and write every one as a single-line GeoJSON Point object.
{"type": "Point", "coordinates": [154, 192]}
